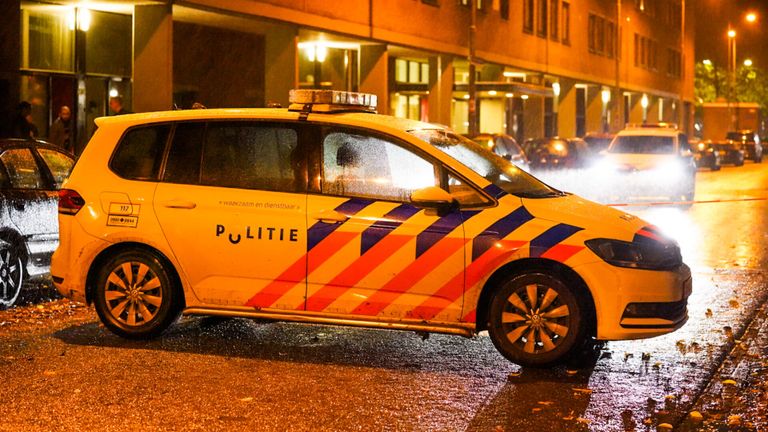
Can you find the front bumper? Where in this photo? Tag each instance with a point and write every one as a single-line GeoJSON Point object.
{"type": "Point", "coordinates": [633, 303]}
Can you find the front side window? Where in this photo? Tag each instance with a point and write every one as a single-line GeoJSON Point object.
{"type": "Point", "coordinates": [58, 164]}
{"type": "Point", "coordinates": [371, 167]}
{"type": "Point", "coordinates": [251, 156]}
{"type": "Point", "coordinates": [22, 169]}
{"type": "Point", "coordinates": [140, 152]}
{"type": "Point", "coordinates": [493, 168]}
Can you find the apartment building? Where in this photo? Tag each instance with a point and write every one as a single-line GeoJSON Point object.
{"type": "Point", "coordinates": [543, 67]}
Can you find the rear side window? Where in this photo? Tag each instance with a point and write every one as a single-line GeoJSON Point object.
{"type": "Point", "coordinates": [22, 169]}
{"type": "Point", "coordinates": [251, 156]}
{"type": "Point", "coordinates": [140, 153]}
{"type": "Point", "coordinates": [58, 163]}
{"type": "Point", "coordinates": [183, 165]}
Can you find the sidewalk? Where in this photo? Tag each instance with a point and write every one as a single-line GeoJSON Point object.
{"type": "Point", "coordinates": [736, 399]}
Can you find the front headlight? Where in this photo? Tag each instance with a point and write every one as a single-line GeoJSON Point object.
{"type": "Point", "coordinates": [669, 169]}
{"type": "Point", "coordinates": [650, 255]}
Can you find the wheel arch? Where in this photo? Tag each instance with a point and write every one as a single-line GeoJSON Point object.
{"type": "Point", "coordinates": [544, 265]}
{"type": "Point", "coordinates": [103, 256]}
{"type": "Point", "coordinates": [17, 239]}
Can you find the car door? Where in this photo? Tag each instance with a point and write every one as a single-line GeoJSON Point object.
{"type": "Point", "coordinates": [232, 205]}
{"type": "Point", "coordinates": [31, 202]}
{"type": "Point", "coordinates": [370, 252]}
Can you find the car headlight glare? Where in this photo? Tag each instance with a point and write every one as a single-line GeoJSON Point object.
{"type": "Point", "coordinates": [650, 255]}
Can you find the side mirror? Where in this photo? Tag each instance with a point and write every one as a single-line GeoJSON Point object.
{"type": "Point", "coordinates": [433, 197]}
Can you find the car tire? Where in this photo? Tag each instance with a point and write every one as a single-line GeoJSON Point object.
{"type": "Point", "coordinates": [136, 296]}
{"type": "Point", "coordinates": [536, 320]}
{"type": "Point", "coordinates": [739, 162]}
{"type": "Point", "coordinates": [715, 167]}
{"type": "Point", "coordinates": [12, 273]}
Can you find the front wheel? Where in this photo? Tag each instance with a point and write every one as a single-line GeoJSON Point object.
{"type": "Point", "coordinates": [11, 274]}
{"type": "Point", "coordinates": [135, 295]}
{"type": "Point", "coordinates": [536, 320]}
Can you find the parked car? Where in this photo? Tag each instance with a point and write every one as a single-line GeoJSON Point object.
{"type": "Point", "coordinates": [752, 145]}
{"type": "Point", "coordinates": [649, 161]}
{"type": "Point", "coordinates": [31, 172]}
{"type": "Point", "coordinates": [730, 152]}
{"type": "Point", "coordinates": [555, 153]}
{"type": "Point", "coordinates": [597, 141]}
{"type": "Point", "coordinates": [328, 213]}
{"type": "Point", "coordinates": [506, 147]}
{"type": "Point", "coordinates": [705, 155]}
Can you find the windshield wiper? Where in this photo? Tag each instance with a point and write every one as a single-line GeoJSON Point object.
{"type": "Point", "coordinates": [543, 194]}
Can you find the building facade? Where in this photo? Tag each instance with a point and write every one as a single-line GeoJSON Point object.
{"type": "Point", "coordinates": [542, 67]}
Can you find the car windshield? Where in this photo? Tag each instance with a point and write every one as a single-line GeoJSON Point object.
{"type": "Point", "coordinates": [643, 144]}
{"type": "Point", "coordinates": [493, 168]}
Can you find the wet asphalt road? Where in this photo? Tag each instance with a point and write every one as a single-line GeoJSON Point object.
{"type": "Point", "coordinates": [60, 370]}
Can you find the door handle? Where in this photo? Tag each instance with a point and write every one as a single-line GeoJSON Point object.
{"type": "Point", "coordinates": [179, 204]}
{"type": "Point", "coordinates": [330, 216]}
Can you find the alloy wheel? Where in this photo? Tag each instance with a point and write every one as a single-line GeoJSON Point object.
{"type": "Point", "coordinates": [535, 319]}
{"type": "Point", "coordinates": [11, 277]}
{"type": "Point", "coordinates": [133, 293]}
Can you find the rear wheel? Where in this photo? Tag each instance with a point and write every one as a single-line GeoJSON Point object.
{"type": "Point", "coordinates": [536, 320]}
{"type": "Point", "coordinates": [12, 274]}
{"type": "Point", "coordinates": [136, 296]}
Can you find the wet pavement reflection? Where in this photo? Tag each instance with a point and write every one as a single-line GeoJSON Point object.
{"type": "Point", "coordinates": [69, 373]}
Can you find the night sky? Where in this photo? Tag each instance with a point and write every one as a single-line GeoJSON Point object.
{"type": "Point", "coordinates": [712, 18]}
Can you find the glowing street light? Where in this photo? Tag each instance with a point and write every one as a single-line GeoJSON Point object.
{"type": "Point", "coordinates": [751, 17]}
{"type": "Point", "coordinates": [731, 33]}
{"type": "Point", "coordinates": [707, 62]}
{"type": "Point", "coordinates": [748, 62]}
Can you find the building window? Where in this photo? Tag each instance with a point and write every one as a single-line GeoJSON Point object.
{"type": "Point", "coordinates": [528, 14]}
{"type": "Point", "coordinates": [542, 19]}
{"type": "Point", "coordinates": [565, 12]}
{"type": "Point", "coordinates": [411, 72]}
{"type": "Point", "coordinates": [554, 16]}
{"type": "Point", "coordinates": [504, 9]}
{"type": "Point", "coordinates": [646, 52]}
{"type": "Point", "coordinates": [674, 63]}
{"type": "Point", "coordinates": [609, 39]}
{"type": "Point", "coordinates": [48, 39]}
{"type": "Point", "coordinates": [479, 4]}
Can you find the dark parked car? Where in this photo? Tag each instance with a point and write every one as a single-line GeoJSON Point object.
{"type": "Point", "coordinates": [553, 153]}
{"type": "Point", "coordinates": [31, 172]}
{"type": "Point", "coordinates": [705, 155]}
{"type": "Point", "coordinates": [598, 142]}
{"type": "Point", "coordinates": [504, 146]}
{"type": "Point", "coordinates": [731, 152]}
{"type": "Point", "coordinates": [752, 145]}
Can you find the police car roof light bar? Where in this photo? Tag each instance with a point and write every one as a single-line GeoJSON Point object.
{"type": "Point", "coordinates": [328, 101]}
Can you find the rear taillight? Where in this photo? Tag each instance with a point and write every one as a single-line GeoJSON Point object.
{"type": "Point", "coordinates": [70, 202]}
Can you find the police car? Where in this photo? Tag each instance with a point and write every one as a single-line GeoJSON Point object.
{"type": "Point", "coordinates": [328, 213]}
{"type": "Point", "coordinates": [647, 161]}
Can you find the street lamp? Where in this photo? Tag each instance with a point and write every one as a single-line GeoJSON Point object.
{"type": "Point", "coordinates": [644, 104]}
{"type": "Point", "coordinates": [605, 96]}
{"type": "Point", "coordinates": [748, 62]}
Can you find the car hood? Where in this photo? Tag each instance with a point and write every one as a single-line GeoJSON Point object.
{"type": "Point", "coordinates": [639, 162]}
{"type": "Point", "coordinates": [598, 219]}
